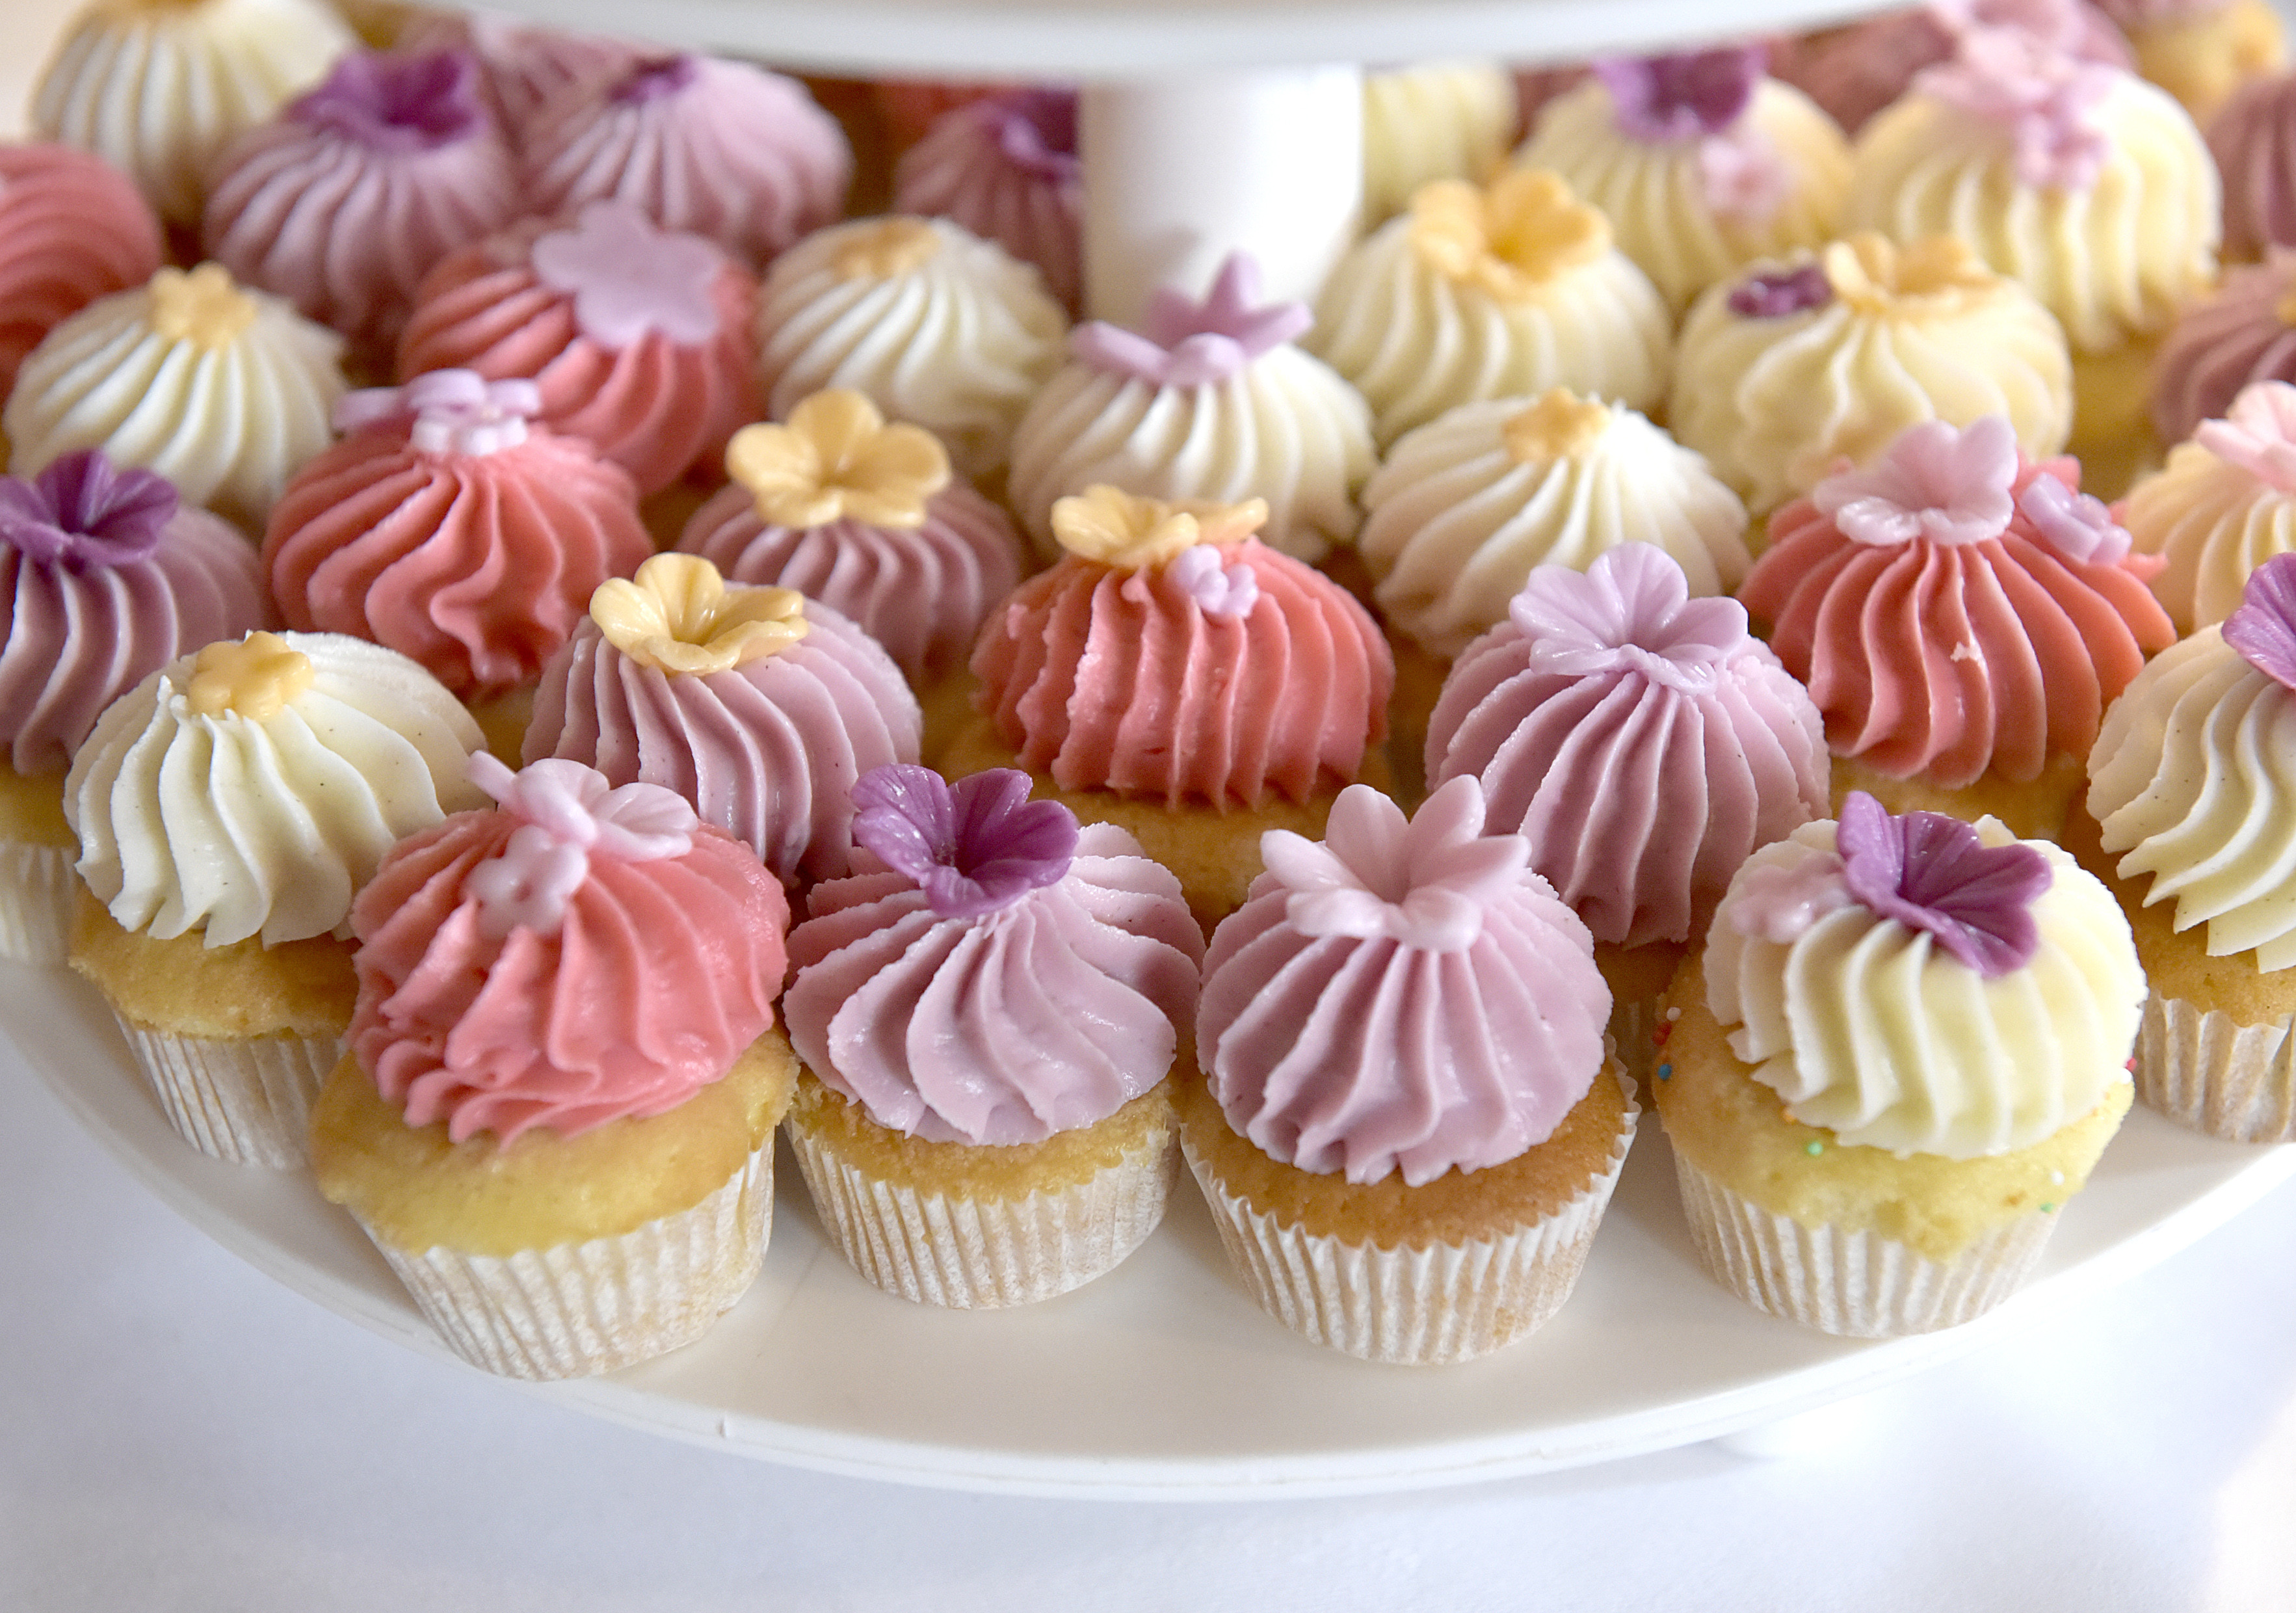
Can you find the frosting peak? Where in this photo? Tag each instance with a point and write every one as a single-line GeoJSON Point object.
{"type": "Point", "coordinates": [1935, 482]}
{"type": "Point", "coordinates": [679, 616]}
{"type": "Point", "coordinates": [835, 459]}
{"type": "Point", "coordinates": [404, 103]}
{"type": "Point", "coordinates": [1187, 342]}
{"type": "Point", "coordinates": [1510, 238]}
{"type": "Point", "coordinates": [886, 250]}
{"type": "Point", "coordinates": [85, 514]}
{"type": "Point", "coordinates": [1423, 883]}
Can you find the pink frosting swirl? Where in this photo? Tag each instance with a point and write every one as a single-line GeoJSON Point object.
{"type": "Point", "coordinates": [921, 593]}
{"type": "Point", "coordinates": [1050, 1013]}
{"type": "Point", "coordinates": [769, 751]}
{"type": "Point", "coordinates": [2238, 336]}
{"type": "Point", "coordinates": [1400, 998]}
{"type": "Point", "coordinates": [343, 215]}
{"type": "Point", "coordinates": [477, 565]}
{"type": "Point", "coordinates": [1642, 742]}
{"type": "Point", "coordinates": [660, 975]}
{"type": "Point", "coordinates": [1007, 169]}
{"type": "Point", "coordinates": [1122, 680]}
{"type": "Point", "coordinates": [720, 148]}
{"type": "Point", "coordinates": [2253, 139]}
{"type": "Point", "coordinates": [72, 228]}
{"type": "Point", "coordinates": [658, 405]}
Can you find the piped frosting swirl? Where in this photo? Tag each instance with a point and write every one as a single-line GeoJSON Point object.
{"type": "Point", "coordinates": [72, 229]}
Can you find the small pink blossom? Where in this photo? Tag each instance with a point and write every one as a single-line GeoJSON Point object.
{"type": "Point", "coordinates": [1630, 611]}
{"type": "Point", "coordinates": [570, 814]}
{"type": "Point", "coordinates": [1781, 903]}
{"type": "Point", "coordinates": [2257, 433]}
{"type": "Point", "coordinates": [1741, 176]}
{"type": "Point", "coordinates": [1220, 587]}
{"type": "Point", "coordinates": [1424, 883]}
{"type": "Point", "coordinates": [628, 277]}
{"type": "Point", "coordinates": [452, 411]}
{"type": "Point", "coordinates": [1934, 482]}
{"type": "Point", "coordinates": [2077, 526]}
{"type": "Point", "coordinates": [1185, 343]}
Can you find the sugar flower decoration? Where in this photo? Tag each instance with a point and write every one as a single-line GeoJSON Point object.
{"type": "Point", "coordinates": [2263, 630]}
{"type": "Point", "coordinates": [1560, 425]}
{"type": "Point", "coordinates": [655, 78]}
{"type": "Point", "coordinates": [973, 847]}
{"type": "Point", "coordinates": [1778, 293]}
{"type": "Point", "coordinates": [677, 616]}
{"type": "Point", "coordinates": [1036, 131]}
{"type": "Point", "coordinates": [2050, 102]}
{"type": "Point", "coordinates": [85, 514]}
{"type": "Point", "coordinates": [254, 678]}
{"type": "Point", "coordinates": [1222, 588]}
{"type": "Point", "coordinates": [2257, 433]}
{"type": "Point", "coordinates": [569, 814]}
{"type": "Point", "coordinates": [1423, 884]}
{"type": "Point", "coordinates": [1185, 343]}
{"type": "Point", "coordinates": [630, 278]}
{"type": "Point", "coordinates": [885, 251]}
{"type": "Point", "coordinates": [397, 102]}
{"type": "Point", "coordinates": [1130, 533]}
{"type": "Point", "coordinates": [2077, 526]}
{"type": "Point", "coordinates": [203, 306]}
{"type": "Point", "coordinates": [1935, 482]}
{"type": "Point", "coordinates": [1629, 612]}
{"type": "Point", "coordinates": [1740, 176]}
{"type": "Point", "coordinates": [1511, 239]}
{"type": "Point", "coordinates": [1874, 275]}
{"type": "Point", "coordinates": [1686, 96]}
{"type": "Point", "coordinates": [1781, 903]}
{"type": "Point", "coordinates": [452, 411]}
{"type": "Point", "coordinates": [1931, 873]}
{"type": "Point", "coordinates": [837, 459]}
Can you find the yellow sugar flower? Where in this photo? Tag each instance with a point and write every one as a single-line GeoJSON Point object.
{"type": "Point", "coordinates": [1509, 238]}
{"type": "Point", "coordinates": [253, 677]}
{"type": "Point", "coordinates": [204, 307]}
{"type": "Point", "coordinates": [1874, 275]}
{"type": "Point", "coordinates": [1558, 425]}
{"type": "Point", "coordinates": [679, 616]}
{"type": "Point", "coordinates": [837, 458]}
{"type": "Point", "coordinates": [879, 251]}
{"type": "Point", "coordinates": [1131, 534]}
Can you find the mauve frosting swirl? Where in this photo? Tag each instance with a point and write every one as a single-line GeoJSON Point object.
{"type": "Point", "coordinates": [1644, 743]}
{"type": "Point", "coordinates": [2254, 140]}
{"type": "Point", "coordinates": [1119, 680]}
{"type": "Point", "coordinates": [1049, 1013]}
{"type": "Point", "coordinates": [2240, 334]}
{"type": "Point", "coordinates": [72, 229]}
{"type": "Point", "coordinates": [520, 65]}
{"type": "Point", "coordinates": [1007, 169]}
{"type": "Point", "coordinates": [662, 973]}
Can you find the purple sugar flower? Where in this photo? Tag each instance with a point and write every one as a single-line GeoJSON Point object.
{"type": "Point", "coordinates": [655, 78]}
{"type": "Point", "coordinates": [1931, 873]}
{"type": "Point", "coordinates": [400, 104]}
{"type": "Point", "coordinates": [972, 846]}
{"type": "Point", "coordinates": [1660, 99]}
{"type": "Point", "coordinates": [2263, 630]}
{"type": "Point", "coordinates": [1185, 343]}
{"type": "Point", "coordinates": [85, 514]}
{"type": "Point", "coordinates": [1780, 293]}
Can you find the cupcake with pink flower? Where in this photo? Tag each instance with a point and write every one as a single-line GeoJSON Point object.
{"type": "Point", "coordinates": [72, 229]}
{"type": "Point", "coordinates": [1006, 168]}
{"type": "Point", "coordinates": [1853, 72]}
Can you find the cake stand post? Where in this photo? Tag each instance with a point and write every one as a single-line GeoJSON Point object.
{"type": "Point", "coordinates": [1184, 168]}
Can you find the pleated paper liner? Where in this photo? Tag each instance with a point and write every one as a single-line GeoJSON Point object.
{"type": "Point", "coordinates": [35, 915]}
{"type": "Point", "coordinates": [2204, 1069]}
{"type": "Point", "coordinates": [243, 1100]}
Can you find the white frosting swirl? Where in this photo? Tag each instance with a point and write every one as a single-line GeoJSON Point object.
{"type": "Point", "coordinates": [1433, 120]}
{"type": "Point", "coordinates": [2214, 522]}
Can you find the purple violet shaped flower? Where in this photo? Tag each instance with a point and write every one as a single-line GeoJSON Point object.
{"type": "Point", "coordinates": [1782, 293]}
{"type": "Point", "coordinates": [2077, 526]}
{"type": "Point", "coordinates": [1037, 131]}
{"type": "Point", "coordinates": [2263, 630]}
{"type": "Point", "coordinates": [1661, 99]}
{"type": "Point", "coordinates": [84, 513]}
{"type": "Point", "coordinates": [398, 103]}
{"type": "Point", "coordinates": [971, 847]}
{"type": "Point", "coordinates": [1931, 873]}
{"type": "Point", "coordinates": [1630, 611]}
{"type": "Point", "coordinates": [1220, 589]}
{"type": "Point", "coordinates": [1184, 342]}
{"type": "Point", "coordinates": [653, 77]}
{"type": "Point", "coordinates": [629, 277]}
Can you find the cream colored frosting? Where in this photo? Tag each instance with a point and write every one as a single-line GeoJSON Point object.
{"type": "Point", "coordinates": [1433, 120]}
{"type": "Point", "coordinates": [1654, 194]}
{"type": "Point", "coordinates": [237, 793]}
{"type": "Point", "coordinates": [1922, 334]}
{"type": "Point", "coordinates": [157, 91]}
{"type": "Point", "coordinates": [932, 324]}
{"type": "Point", "coordinates": [1865, 1027]}
{"type": "Point", "coordinates": [1463, 508]}
{"type": "Point", "coordinates": [2113, 260]}
{"type": "Point", "coordinates": [2193, 781]}
{"type": "Point", "coordinates": [2214, 522]}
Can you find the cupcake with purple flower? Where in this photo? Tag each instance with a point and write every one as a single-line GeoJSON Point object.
{"type": "Point", "coordinates": [1006, 169]}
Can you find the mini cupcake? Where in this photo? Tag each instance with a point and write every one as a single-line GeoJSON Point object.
{"type": "Point", "coordinates": [1006, 168]}
{"type": "Point", "coordinates": [224, 391]}
{"type": "Point", "coordinates": [1962, 618]}
{"type": "Point", "coordinates": [1209, 401]}
{"type": "Point", "coordinates": [1432, 120]}
{"type": "Point", "coordinates": [1830, 354]}
{"type": "Point", "coordinates": [1702, 162]}
{"type": "Point", "coordinates": [988, 1011]}
{"type": "Point", "coordinates": [932, 323]}
{"type": "Point", "coordinates": [2242, 333]}
{"type": "Point", "coordinates": [636, 338]}
{"type": "Point", "coordinates": [562, 1143]}
{"type": "Point", "coordinates": [1409, 1125]}
{"type": "Point", "coordinates": [72, 229]}
{"type": "Point", "coordinates": [1176, 676]}
{"type": "Point", "coordinates": [228, 808]}
{"type": "Point", "coordinates": [761, 707]}
{"type": "Point", "coordinates": [2202, 51]}
{"type": "Point", "coordinates": [1903, 1053]}
{"type": "Point", "coordinates": [2224, 504]}
{"type": "Point", "coordinates": [2250, 140]}
{"type": "Point", "coordinates": [1500, 292]}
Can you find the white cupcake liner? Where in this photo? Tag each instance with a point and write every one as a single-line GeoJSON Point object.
{"type": "Point", "coordinates": [1404, 1306]}
{"type": "Point", "coordinates": [2202, 1069]}
{"type": "Point", "coordinates": [244, 1099]}
{"type": "Point", "coordinates": [981, 1254]}
{"type": "Point", "coordinates": [584, 1308]}
{"type": "Point", "coordinates": [38, 891]}
{"type": "Point", "coordinates": [1858, 1285]}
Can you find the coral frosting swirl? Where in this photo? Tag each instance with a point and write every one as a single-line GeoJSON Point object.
{"type": "Point", "coordinates": [1400, 998]}
{"type": "Point", "coordinates": [661, 972]}
{"type": "Point", "coordinates": [1642, 741]}
{"type": "Point", "coordinates": [1980, 615]}
{"type": "Point", "coordinates": [1047, 1013]}
{"type": "Point", "coordinates": [72, 229]}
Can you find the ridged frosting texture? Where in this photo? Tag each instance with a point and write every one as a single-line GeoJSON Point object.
{"type": "Point", "coordinates": [1994, 647]}
{"type": "Point", "coordinates": [2243, 332]}
{"type": "Point", "coordinates": [477, 565]}
{"type": "Point", "coordinates": [1659, 194]}
{"type": "Point", "coordinates": [345, 200]}
{"type": "Point", "coordinates": [1642, 741]}
{"type": "Point", "coordinates": [1119, 679]}
{"type": "Point", "coordinates": [2254, 140]}
{"type": "Point", "coordinates": [72, 229]}
{"type": "Point", "coordinates": [1006, 169]}
{"type": "Point", "coordinates": [520, 65]}
{"type": "Point", "coordinates": [935, 325]}
{"type": "Point", "coordinates": [2214, 514]}
{"type": "Point", "coordinates": [223, 391]}
{"type": "Point", "coordinates": [159, 91]}
{"type": "Point", "coordinates": [1420, 320]}
{"type": "Point", "coordinates": [1865, 1027]}
{"type": "Point", "coordinates": [660, 974]}
{"type": "Point", "coordinates": [263, 822]}
{"type": "Point", "coordinates": [659, 395]}
{"type": "Point", "coordinates": [1463, 508]}
{"type": "Point", "coordinates": [1400, 998]}
{"type": "Point", "coordinates": [1774, 400]}
{"type": "Point", "coordinates": [1432, 120]}
{"type": "Point", "coordinates": [719, 148]}
{"type": "Point", "coordinates": [1046, 1015]}
{"type": "Point", "coordinates": [2113, 259]}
